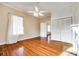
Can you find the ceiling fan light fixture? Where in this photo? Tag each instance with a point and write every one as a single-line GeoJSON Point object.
{"type": "Point", "coordinates": [41, 14]}
{"type": "Point", "coordinates": [37, 11]}
{"type": "Point", "coordinates": [36, 14]}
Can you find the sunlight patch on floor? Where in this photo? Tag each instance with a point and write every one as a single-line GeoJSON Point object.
{"type": "Point", "coordinates": [65, 53]}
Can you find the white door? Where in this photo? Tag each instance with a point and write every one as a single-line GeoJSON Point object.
{"type": "Point", "coordinates": [61, 30]}
{"type": "Point", "coordinates": [43, 30]}
{"type": "Point", "coordinates": [66, 33]}
{"type": "Point", "coordinates": [55, 32]}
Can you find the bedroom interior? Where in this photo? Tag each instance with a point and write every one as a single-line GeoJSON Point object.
{"type": "Point", "coordinates": [39, 28]}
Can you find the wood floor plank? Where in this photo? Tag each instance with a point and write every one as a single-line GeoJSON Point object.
{"type": "Point", "coordinates": [43, 49]}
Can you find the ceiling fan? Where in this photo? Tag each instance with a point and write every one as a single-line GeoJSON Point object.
{"type": "Point", "coordinates": [37, 12]}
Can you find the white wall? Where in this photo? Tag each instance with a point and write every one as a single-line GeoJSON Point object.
{"type": "Point", "coordinates": [76, 13]}
{"type": "Point", "coordinates": [62, 12]}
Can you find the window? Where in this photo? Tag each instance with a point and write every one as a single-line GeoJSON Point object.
{"type": "Point", "coordinates": [17, 25]}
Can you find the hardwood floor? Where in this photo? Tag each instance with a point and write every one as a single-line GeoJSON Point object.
{"type": "Point", "coordinates": [34, 47]}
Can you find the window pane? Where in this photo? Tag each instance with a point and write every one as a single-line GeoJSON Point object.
{"type": "Point", "coordinates": [17, 23]}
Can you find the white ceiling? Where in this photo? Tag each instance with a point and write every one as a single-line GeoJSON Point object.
{"type": "Point", "coordinates": [47, 6]}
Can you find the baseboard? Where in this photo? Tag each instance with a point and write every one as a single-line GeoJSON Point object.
{"type": "Point", "coordinates": [26, 38]}
{"type": "Point", "coordinates": [3, 43]}
{"type": "Point", "coordinates": [30, 38]}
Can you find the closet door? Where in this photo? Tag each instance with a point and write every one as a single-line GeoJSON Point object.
{"type": "Point", "coordinates": [66, 33]}
{"type": "Point", "coordinates": [55, 34]}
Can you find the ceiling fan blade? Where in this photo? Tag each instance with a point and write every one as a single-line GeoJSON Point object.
{"type": "Point", "coordinates": [36, 9]}
{"type": "Point", "coordinates": [41, 14]}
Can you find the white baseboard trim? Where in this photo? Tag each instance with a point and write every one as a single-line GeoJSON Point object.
{"type": "Point", "coordinates": [25, 38]}
{"type": "Point", "coordinates": [2, 43]}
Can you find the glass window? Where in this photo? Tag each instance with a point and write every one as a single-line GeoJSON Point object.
{"type": "Point", "coordinates": [17, 25]}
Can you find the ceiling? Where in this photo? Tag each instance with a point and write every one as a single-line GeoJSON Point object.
{"type": "Point", "coordinates": [46, 6]}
